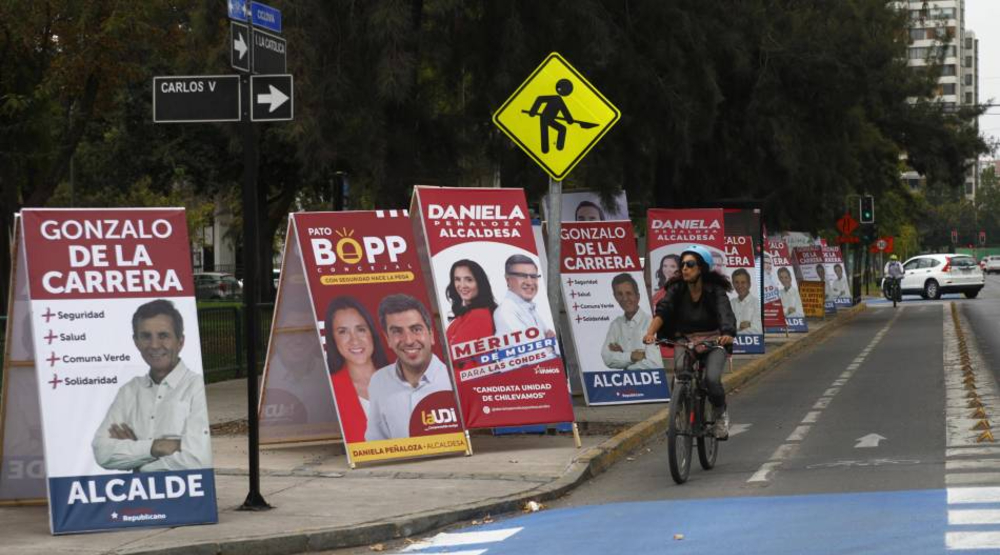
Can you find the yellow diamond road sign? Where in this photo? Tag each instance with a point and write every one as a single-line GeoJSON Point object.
{"type": "Point", "coordinates": [556, 116]}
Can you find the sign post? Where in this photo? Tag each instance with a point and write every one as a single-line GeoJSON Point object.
{"type": "Point", "coordinates": [556, 116]}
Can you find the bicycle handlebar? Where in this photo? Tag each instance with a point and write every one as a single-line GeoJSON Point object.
{"type": "Point", "coordinates": [710, 343]}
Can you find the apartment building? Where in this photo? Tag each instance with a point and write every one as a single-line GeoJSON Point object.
{"type": "Point", "coordinates": [937, 26]}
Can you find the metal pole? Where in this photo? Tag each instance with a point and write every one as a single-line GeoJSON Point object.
{"type": "Point", "coordinates": [555, 232]}
{"type": "Point", "coordinates": [254, 501]}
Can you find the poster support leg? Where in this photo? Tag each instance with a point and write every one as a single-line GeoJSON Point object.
{"type": "Point", "coordinates": [468, 444]}
{"type": "Point", "coordinates": [254, 501]}
{"type": "Point", "coordinates": [576, 436]}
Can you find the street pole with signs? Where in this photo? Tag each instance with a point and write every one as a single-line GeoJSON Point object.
{"type": "Point", "coordinates": [247, 98]}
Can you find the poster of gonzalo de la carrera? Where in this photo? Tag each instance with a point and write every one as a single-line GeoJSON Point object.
{"type": "Point", "coordinates": [493, 306]}
{"type": "Point", "coordinates": [609, 313]}
{"type": "Point", "coordinates": [120, 378]}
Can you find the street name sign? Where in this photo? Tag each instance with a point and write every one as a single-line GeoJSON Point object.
{"type": "Point", "coordinates": [556, 116]}
{"type": "Point", "coordinates": [265, 16]}
{"type": "Point", "coordinates": [239, 46]}
{"type": "Point", "coordinates": [271, 98]}
{"type": "Point", "coordinates": [237, 9]}
{"type": "Point", "coordinates": [196, 98]}
{"type": "Point", "coordinates": [268, 53]}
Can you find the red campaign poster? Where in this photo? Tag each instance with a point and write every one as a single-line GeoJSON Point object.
{"type": "Point", "coordinates": [670, 231]}
{"type": "Point", "coordinates": [493, 305]}
{"type": "Point", "coordinates": [383, 353]}
{"type": "Point", "coordinates": [780, 272]}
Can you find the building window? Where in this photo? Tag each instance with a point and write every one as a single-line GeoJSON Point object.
{"type": "Point", "coordinates": [946, 88]}
{"type": "Point", "coordinates": [968, 79]}
{"type": "Point", "coordinates": [968, 61]}
{"type": "Point", "coordinates": [970, 188]}
{"type": "Point", "coordinates": [948, 70]}
{"type": "Point", "coordinates": [968, 44]}
{"type": "Point", "coordinates": [914, 183]}
{"type": "Point", "coordinates": [968, 98]}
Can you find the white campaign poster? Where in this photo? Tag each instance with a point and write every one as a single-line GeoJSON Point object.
{"type": "Point", "coordinates": [120, 377]}
{"type": "Point", "coordinates": [743, 269]}
{"type": "Point", "coordinates": [609, 313]}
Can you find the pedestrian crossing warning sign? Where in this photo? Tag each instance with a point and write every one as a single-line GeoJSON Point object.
{"type": "Point", "coordinates": [556, 116]}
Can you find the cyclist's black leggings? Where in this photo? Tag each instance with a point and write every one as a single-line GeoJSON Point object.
{"type": "Point", "coordinates": [715, 363]}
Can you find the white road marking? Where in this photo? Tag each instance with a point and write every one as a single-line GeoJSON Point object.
{"type": "Point", "coordinates": [972, 451]}
{"type": "Point", "coordinates": [784, 451]}
{"type": "Point", "coordinates": [957, 496]}
{"type": "Point", "coordinates": [870, 440]}
{"type": "Point", "coordinates": [445, 539]}
{"type": "Point", "coordinates": [831, 392]}
{"type": "Point", "coordinates": [822, 403]}
{"type": "Point", "coordinates": [972, 540]}
{"type": "Point", "coordinates": [765, 469]}
{"type": "Point", "coordinates": [737, 429]}
{"type": "Point", "coordinates": [811, 417]}
{"type": "Point", "coordinates": [799, 433]}
{"type": "Point", "coordinates": [846, 375]}
{"type": "Point", "coordinates": [839, 383]}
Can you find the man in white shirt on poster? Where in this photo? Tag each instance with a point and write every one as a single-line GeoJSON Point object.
{"type": "Point", "coordinates": [395, 390]}
{"type": "Point", "coordinates": [623, 346]}
{"type": "Point", "coordinates": [746, 307]}
{"type": "Point", "coordinates": [158, 421]}
{"type": "Point", "coordinates": [791, 303]}
{"type": "Point", "coordinates": [517, 311]}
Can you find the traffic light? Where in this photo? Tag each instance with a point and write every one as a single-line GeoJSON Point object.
{"type": "Point", "coordinates": [867, 209]}
{"type": "Point", "coordinates": [954, 237]}
{"type": "Point", "coordinates": [982, 238]}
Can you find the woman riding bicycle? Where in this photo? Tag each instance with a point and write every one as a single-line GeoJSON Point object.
{"type": "Point", "coordinates": [695, 305]}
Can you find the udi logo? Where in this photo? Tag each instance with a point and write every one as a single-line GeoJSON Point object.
{"type": "Point", "coordinates": [435, 414]}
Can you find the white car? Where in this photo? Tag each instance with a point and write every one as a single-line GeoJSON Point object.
{"type": "Point", "coordinates": [991, 264]}
{"type": "Point", "coordinates": [931, 275]}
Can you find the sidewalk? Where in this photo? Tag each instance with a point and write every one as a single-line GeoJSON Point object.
{"type": "Point", "coordinates": [321, 504]}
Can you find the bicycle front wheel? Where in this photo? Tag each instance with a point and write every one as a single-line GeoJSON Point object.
{"type": "Point", "coordinates": [708, 446]}
{"type": "Point", "coordinates": [679, 443]}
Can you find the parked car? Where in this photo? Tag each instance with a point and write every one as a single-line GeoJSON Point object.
{"type": "Point", "coordinates": [991, 264]}
{"type": "Point", "coordinates": [217, 286]}
{"type": "Point", "coordinates": [931, 275]}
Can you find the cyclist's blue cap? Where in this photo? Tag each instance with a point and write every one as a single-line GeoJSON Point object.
{"type": "Point", "coordinates": [702, 252]}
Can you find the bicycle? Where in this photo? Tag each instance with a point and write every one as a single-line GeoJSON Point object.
{"type": "Point", "coordinates": [690, 413]}
{"type": "Point", "coordinates": [893, 290]}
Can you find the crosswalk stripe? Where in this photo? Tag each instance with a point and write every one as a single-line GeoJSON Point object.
{"type": "Point", "coordinates": [957, 517]}
{"type": "Point", "coordinates": [958, 496]}
{"type": "Point", "coordinates": [972, 540]}
{"type": "Point", "coordinates": [975, 464]}
{"type": "Point", "coordinates": [445, 539]}
{"type": "Point", "coordinates": [972, 451]}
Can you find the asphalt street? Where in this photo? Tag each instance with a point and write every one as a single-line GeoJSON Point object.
{"type": "Point", "coordinates": [844, 448]}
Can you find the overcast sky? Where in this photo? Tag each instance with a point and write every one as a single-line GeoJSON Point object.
{"type": "Point", "coordinates": [983, 17]}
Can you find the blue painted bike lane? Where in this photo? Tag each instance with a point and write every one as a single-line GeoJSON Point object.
{"type": "Point", "coordinates": [902, 522]}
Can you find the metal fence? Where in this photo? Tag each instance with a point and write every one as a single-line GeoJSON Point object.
{"type": "Point", "coordinates": [222, 341]}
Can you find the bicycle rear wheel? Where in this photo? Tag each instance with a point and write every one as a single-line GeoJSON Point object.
{"type": "Point", "coordinates": [708, 446]}
{"type": "Point", "coordinates": [679, 443]}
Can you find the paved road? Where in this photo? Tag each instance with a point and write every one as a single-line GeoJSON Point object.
{"type": "Point", "coordinates": [857, 446]}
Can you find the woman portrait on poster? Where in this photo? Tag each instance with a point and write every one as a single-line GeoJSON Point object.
{"type": "Point", "coordinates": [472, 303]}
{"type": "Point", "coordinates": [354, 353]}
{"type": "Point", "coordinates": [669, 265]}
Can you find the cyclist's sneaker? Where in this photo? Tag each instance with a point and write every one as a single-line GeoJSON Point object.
{"type": "Point", "coordinates": [721, 423]}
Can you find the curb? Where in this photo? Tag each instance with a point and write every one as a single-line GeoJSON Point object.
{"type": "Point", "coordinates": [589, 464]}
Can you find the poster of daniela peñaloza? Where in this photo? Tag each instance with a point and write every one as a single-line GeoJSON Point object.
{"type": "Point", "coordinates": [120, 378]}
{"type": "Point", "coordinates": [383, 353]}
{"type": "Point", "coordinates": [493, 306]}
{"type": "Point", "coordinates": [609, 314]}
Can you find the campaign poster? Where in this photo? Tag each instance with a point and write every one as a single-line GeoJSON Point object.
{"type": "Point", "coordinates": [296, 402]}
{"type": "Point", "coordinates": [22, 459]}
{"type": "Point", "coordinates": [609, 313]}
{"type": "Point", "coordinates": [383, 354]}
{"type": "Point", "coordinates": [744, 272]}
{"type": "Point", "coordinates": [492, 300]}
{"type": "Point", "coordinates": [121, 387]}
{"type": "Point", "coordinates": [811, 265]}
{"type": "Point", "coordinates": [670, 231]}
{"type": "Point", "coordinates": [779, 270]}
{"type": "Point", "coordinates": [587, 206]}
{"type": "Point", "coordinates": [813, 301]}
{"type": "Point", "coordinates": [774, 315]}
{"type": "Point", "coordinates": [838, 282]}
